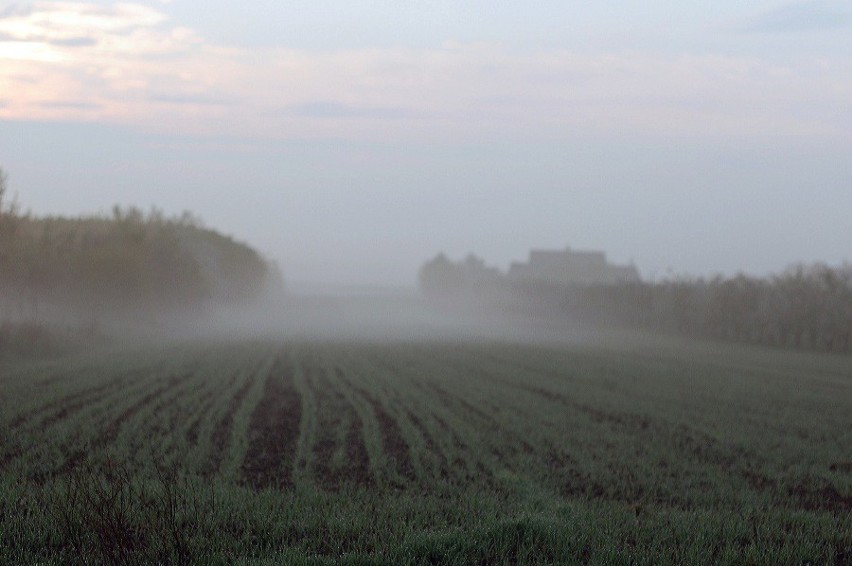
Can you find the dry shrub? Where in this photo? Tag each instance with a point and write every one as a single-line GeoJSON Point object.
{"type": "Point", "coordinates": [106, 514]}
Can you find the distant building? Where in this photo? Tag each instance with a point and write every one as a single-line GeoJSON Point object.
{"type": "Point", "coordinates": [569, 267]}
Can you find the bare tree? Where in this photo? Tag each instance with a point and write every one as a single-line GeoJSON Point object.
{"type": "Point", "coordinates": [7, 211]}
{"type": "Point", "coordinates": [3, 178]}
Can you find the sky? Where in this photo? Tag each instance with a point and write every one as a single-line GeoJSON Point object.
{"type": "Point", "coordinates": [350, 142]}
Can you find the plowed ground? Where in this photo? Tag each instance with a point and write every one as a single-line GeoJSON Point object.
{"type": "Point", "coordinates": [420, 452]}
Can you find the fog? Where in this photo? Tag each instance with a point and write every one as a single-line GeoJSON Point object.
{"type": "Point", "coordinates": [365, 214]}
{"type": "Point", "coordinates": [350, 146]}
{"type": "Point", "coordinates": [394, 281]}
{"type": "Point", "coordinates": [371, 316]}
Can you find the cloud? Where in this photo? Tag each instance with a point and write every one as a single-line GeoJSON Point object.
{"type": "Point", "coordinates": [129, 64]}
{"type": "Point", "coordinates": [15, 11]}
{"type": "Point", "coordinates": [69, 105]}
{"type": "Point", "coordinates": [814, 15]}
{"type": "Point", "coordinates": [193, 99]}
{"type": "Point", "coordinates": [63, 42]}
{"type": "Point", "coordinates": [73, 42]}
{"type": "Point", "coordinates": [133, 29]}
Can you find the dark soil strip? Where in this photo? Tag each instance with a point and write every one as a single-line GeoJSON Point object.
{"type": "Point", "coordinates": [75, 455]}
{"type": "Point", "coordinates": [431, 446]}
{"type": "Point", "coordinates": [825, 498]}
{"type": "Point", "coordinates": [111, 433]}
{"type": "Point", "coordinates": [526, 447]}
{"type": "Point", "coordinates": [221, 436]}
{"type": "Point", "coordinates": [573, 482]}
{"type": "Point", "coordinates": [329, 403]}
{"type": "Point", "coordinates": [469, 369]}
{"type": "Point", "coordinates": [356, 454]}
{"type": "Point", "coordinates": [166, 417]}
{"type": "Point", "coordinates": [10, 455]}
{"type": "Point", "coordinates": [356, 471]}
{"type": "Point", "coordinates": [356, 468]}
{"type": "Point", "coordinates": [323, 452]}
{"type": "Point", "coordinates": [710, 452]}
{"type": "Point", "coordinates": [497, 430]}
{"type": "Point", "coordinates": [483, 411]}
{"type": "Point", "coordinates": [274, 432]}
{"type": "Point", "coordinates": [467, 471]}
{"type": "Point", "coordinates": [70, 404]}
{"type": "Point", "coordinates": [393, 442]}
{"type": "Point", "coordinates": [458, 467]}
{"type": "Point", "coordinates": [206, 402]}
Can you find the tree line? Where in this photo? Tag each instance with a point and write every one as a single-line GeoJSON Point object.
{"type": "Point", "coordinates": [120, 264]}
{"type": "Point", "coordinates": [804, 307]}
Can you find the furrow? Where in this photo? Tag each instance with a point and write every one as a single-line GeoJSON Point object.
{"type": "Point", "coordinates": [393, 441]}
{"type": "Point", "coordinates": [273, 431]}
{"type": "Point", "coordinates": [221, 433]}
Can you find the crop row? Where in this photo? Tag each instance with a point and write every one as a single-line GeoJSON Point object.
{"type": "Point", "coordinates": [407, 452]}
{"type": "Point", "coordinates": [336, 416]}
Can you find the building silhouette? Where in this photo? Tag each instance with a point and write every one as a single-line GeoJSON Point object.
{"type": "Point", "coordinates": [570, 267]}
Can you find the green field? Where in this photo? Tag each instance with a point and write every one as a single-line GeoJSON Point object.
{"type": "Point", "coordinates": [467, 452]}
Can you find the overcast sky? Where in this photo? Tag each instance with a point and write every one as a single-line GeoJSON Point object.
{"type": "Point", "coordinates": [351, 141]}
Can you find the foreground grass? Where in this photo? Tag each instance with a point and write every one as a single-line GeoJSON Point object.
{"type": "Point", "coordinates": [428, 453]}
{"type": "Point", "coordinates": [473, 527]}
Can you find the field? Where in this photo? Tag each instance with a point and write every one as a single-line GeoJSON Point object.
{"type": "Point", "coordinates": [467, 452]}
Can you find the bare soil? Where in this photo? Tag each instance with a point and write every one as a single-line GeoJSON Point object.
{"type": "Point", "coordinates": [274, 432]}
